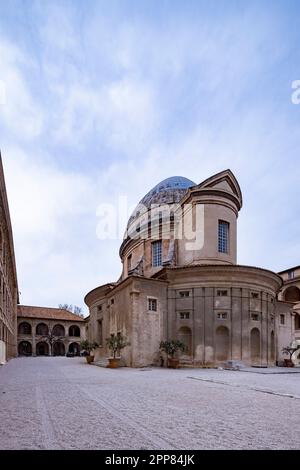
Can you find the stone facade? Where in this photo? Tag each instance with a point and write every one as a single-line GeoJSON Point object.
{"type": "Point", "coordinates": [36, 324]}
{"type": "Point", "coordinates": [8, 279]}
{"type": "Point", "coordinates": [171, 288]}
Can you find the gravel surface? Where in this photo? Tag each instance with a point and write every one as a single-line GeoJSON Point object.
{"type": "Point", "coordinates": [63, 403]}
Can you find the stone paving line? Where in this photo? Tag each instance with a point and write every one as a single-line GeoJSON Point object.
{"type": "Point", "coordinates": [63, 403]}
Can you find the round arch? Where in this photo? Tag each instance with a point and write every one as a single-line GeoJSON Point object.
{"type": "Point", "coordinates": [25, 348]}
{"type": "Point", "coordinates": [185, 336]}
{"type": "Point", "coordinates": [59, 349]}
{"type": "Point", "coordinates": [24, 328]}
{"type": "Point", "coordinates": [42, 348]}
{"type": "Point", "coordinates": [222, 343]}
{"type": "Point", "coordinates": [292, 294]}
{"type": "Point", "coordinates": [74, 348]}
{"type": "Point", "coordinates": [272, 346]}
{"type": "Point", "coordinates": [58, 330]}
{"type": "Point", "coordinates": [42, 329]}
{"type": "Point", "coordinates": [255, 345]}
{"type": "Point", "coordinates": [74, 330]}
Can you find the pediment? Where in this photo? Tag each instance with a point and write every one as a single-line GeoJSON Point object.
{"type": "Point", "coordinates": [225, 181]}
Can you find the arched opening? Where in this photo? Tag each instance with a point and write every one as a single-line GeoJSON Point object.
{"type": "Point", "coordinates": [255, 345]}
{"type": "Point", "coordinates": [24, 328]}
{"type": "Point", "coordinates": [59, 349]}
{"type": "Point", "coordinates": [74, 349]}
{"type": "Point", "coordinates": [292, 294]}
{"type": "Point", "coordinates": [297, 321]}
{"type": "Point", "coordinates": [42, 329]}
{"type": "Point", "coordinates": [272, 346]}
{"type": "Point", "coordinates": [185, 336]}
{"type": "Point", "coordinates": [42, 349]}
{"type": "Point", "coordinates": [25, 348]}
{"type": "Point", "coordinates": [74, 330]}
{"type": "Point", "coordinates": [58, 330]}
{"type": "Point", "coordinates": [222, 343]}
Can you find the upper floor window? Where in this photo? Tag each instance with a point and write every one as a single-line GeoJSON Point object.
{"type": "Point", "coordinates": [222, 293]}
{"type": "Point", "coordinates": [129, 259]}
{"type": "Point", "coordinates": [152, 305]}
{"type": "Point", "coordinates": [184, 315]}
{"type": "Point", "coordinates": [254, 295]}
{"type": "Point", "coordinates": [255, 316]}
{"type": "Point", "coordinates": [157, 253]}
{"type": "Point", "coordinates": [291, 274]}
{"type": "Point", "coordinates": [222, 315]}
{"type": "Point", "coordinates": [282, 319]}
{"type": "Point", "coordinates": [223, 237]}
{"type": "Point", "coordinates": [184, 293]}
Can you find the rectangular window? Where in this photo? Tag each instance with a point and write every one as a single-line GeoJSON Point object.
{"type": "Point", "coordinates": [254, 295]}
{"type": "Point", "coordinates": [223, 239]}
{"type": "Point", "coordinates": [184, 293]}
{"type": "Point", "coordinates": [99, 308]}
{"type": "Point", "coordinates": [255, 316]}
{"type": "Point", "coordinates": [129, 258]}
{"type": "Point", "coordinates": [184, 315]}
{"type": "Point", "coordinates": [152, 305]}
{"type": "Point", "coordinates": [222, 293]}
{"type": "Point", "coordinates": [157, 253]}
{"type": "Point", "coordinates": [291, 274]}
{"type": "Point", "coordinates": [112, 301]}
{"type": "Point", "coordinates": [222, 315]}
{"type": "Point", "coordinates": [282, 319]}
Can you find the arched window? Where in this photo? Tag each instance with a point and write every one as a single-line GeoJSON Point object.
{"type": "Point", "coordinates": [74, 330]}
{"type": "Point", "coordinates": [292, 294]}
{"type": "Point", "coordinates": [222, 343]}
{"type": "Point", "coordinates": [42, 329]}
{"type": "Point", "coordinates": [255, 345]}
{"type": "Point", "coordinates": [58, 330]}
{"type": "Point", "coordinates": [272, 346]}
{"type": "Point", "coordinates": [24, 328]}
{"type": "Point", "coordinates": [185, 336]}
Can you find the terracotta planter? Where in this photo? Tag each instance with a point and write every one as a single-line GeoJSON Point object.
{"type": "Point", "coordinates": [288, 363]}
{"type": "Point", "coordinates": [113, 362]}
{"type": "Point", "coordinates": [173, 363]}
{"type": "Point", "coordinates": [89, 359]}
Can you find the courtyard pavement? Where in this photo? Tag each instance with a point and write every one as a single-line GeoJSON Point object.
{"type": "Point", "coordinates": [63, 403]}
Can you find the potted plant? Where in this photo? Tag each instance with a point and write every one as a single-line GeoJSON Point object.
{"type": "Point", "coordinates": [115, 344]}
{"type": "Point", "coordinates": [88, 347]}
{"type": "Point", "coordinates": [289, 350]}
{"type": "Point", "coordinates": [170, 348]}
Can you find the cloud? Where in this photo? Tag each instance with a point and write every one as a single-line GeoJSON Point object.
{"type": "Point", "coordinates": [20, 115]}
{"type": "Point", "coordinates": [107, 102]}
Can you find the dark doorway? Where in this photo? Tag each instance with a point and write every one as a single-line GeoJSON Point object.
{"type": "Point", "coordinates": [59, 349]}
{"type": "Point", "coordinates": [25, 348]}
{"type": "Point", "coordinates": [42, 349]}
{"type": "Point", "coordinates": [74, 349]}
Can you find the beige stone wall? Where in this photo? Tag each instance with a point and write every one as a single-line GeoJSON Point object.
{"type": "Point", "coordinates": [242, 313]}
{"type": "Point", "coordinates": [125, 310]}
{"type": "Point", "coordinates": [209, 253]}
{"type": "Point", "coordinates": [8, 278]}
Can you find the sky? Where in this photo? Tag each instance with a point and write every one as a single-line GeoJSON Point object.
{"type": "Point", "coordinates": [103, 99]}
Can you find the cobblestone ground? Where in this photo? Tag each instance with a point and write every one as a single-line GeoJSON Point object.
{"type": "Point", "coordinates": [63, 403]}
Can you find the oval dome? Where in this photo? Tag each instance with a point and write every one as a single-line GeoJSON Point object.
{"type": "Point", "coordinates": [169, 191]}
